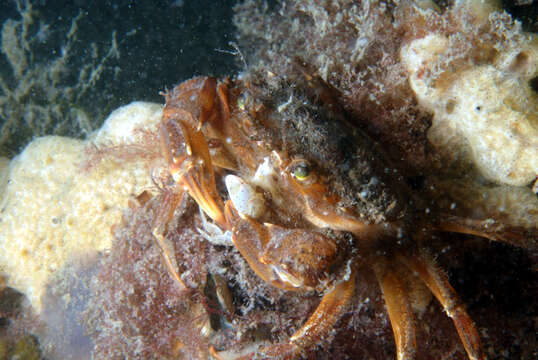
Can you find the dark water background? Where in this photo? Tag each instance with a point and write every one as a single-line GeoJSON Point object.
{"type": "Point", "coordinates": [161, 43]}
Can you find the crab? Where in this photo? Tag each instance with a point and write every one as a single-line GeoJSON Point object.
{"type": "Point", "coordinates": [309, 199]}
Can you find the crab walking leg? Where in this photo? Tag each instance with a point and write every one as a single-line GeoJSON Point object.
{"type": "Point", "coordinates": [399, 309]}
{"type": "Point", "coordinates": [332, 306]}
{"type": "Point", "coordinates": [514, 235]}
{"type": "Point", "coordinates": [329, 310]}
{"type": "Point", "coordinates": [438, 284]}
{"type": "Point", "coordinates": [170, 201]}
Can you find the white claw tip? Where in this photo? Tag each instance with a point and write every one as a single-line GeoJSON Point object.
{"type": "Point", "coordinates": [246, 200]}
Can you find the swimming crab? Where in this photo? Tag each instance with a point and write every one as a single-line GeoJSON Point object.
{"type": "Point", "coordinates": [309, 198]}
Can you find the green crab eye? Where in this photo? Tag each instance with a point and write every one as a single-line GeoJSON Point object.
{"type": "Point", "coordinates": [301, 171]}
{"type": "Point", "coordinates": [242, 102]}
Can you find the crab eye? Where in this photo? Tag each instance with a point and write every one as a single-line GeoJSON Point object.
{"type": "Point", "coordinates": [301, 171]}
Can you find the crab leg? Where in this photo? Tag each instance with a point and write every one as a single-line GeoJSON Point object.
{"type": "Point", "coordinates": [424, 266]}
{"type": "Point", "coordinates": [320, 323]}
{"type": "Point", "coordinates": [332, 306]}
{"type": "Point", "coordinates": [195, 171]}
{"type": "Point", "coordinates": [399, 309]}
{"type": "Point", "coordinates": [255, 243]}
{"type": "Point", "coordinates": [514, 235]}
{"type": "Point", "coordinates": [327, 313]}
{"type": "Point", "coordinates": [164, 214]}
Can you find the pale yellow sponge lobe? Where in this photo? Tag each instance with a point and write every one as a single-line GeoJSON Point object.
{"type": "Point", "coordinates": [124, 125]}
{"type": "Point", "coordinates": [485, 114]}
{"type": "Point", "coordinates": [54, 211]}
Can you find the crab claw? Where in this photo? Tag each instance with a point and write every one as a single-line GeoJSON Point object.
{"type": "Point", "coordinates": [187, 153]}
{"type": "Point", "coordinates": [244, 197]}
{"type": "Point", "coordinates": [290, 259]}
